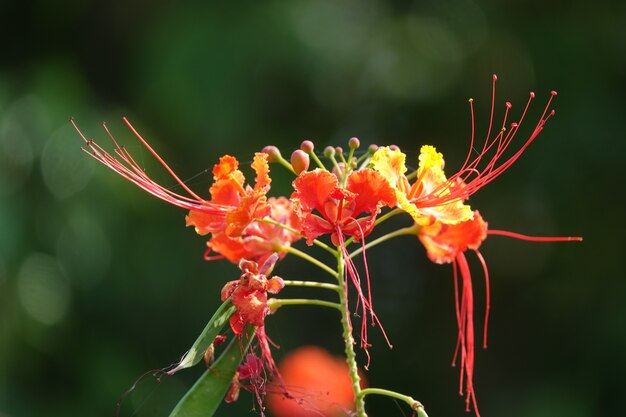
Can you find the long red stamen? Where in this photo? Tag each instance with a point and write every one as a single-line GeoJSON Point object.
{"type": "Point", "coordinates": [467, 316]}
{"type": "Point", "coordinates": [535, 238]}
{"type": "Point", "coordinates": [487, 296]}
{"type": "Point", "coordinates": [129, 169]}
{"type": "Point", "coordinates": [474, 173]}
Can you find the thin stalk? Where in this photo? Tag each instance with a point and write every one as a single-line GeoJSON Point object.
{"type": "Point", "coordinates": [312, 284]}
{"type": "Point", "coordinates": [275, 303]}
{"type": "Point", "coordinates": [294, 231]}
{"type": "Point", "coordinates": [308, 258]}
{"type": "Point", "coordinates": [414, 404]}
{"type": "Point", "coordinates": [379, 221]}
{"type": "Point", "coordinates": [411, 230]}
{"type": "Point", "coordinates": [316, 160]}
{"type": "Point", "coordinates": [348, 339]}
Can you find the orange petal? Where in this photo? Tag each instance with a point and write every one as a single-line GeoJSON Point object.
{"type": "Point", "coordinates": [372, 191]}
{"type": "Point", "coordinates": [262, 169]}
{"type": "Point", "coordinates": [313, 188]}
{"type": "Point", "coordinates": [444, 241]}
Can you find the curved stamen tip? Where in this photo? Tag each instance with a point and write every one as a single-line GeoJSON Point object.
{"type": "Point", "coordinates": [553, 93]}
{"type": "Point", "coordinates": [508, 105]}
{"type": "Point", "coordinates": [495, 77]}
{"type": "Point", "coordinates": [532, 94]}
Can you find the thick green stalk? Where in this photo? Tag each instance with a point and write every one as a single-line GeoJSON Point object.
{"type": "Point", "coordinates": [348, 339]}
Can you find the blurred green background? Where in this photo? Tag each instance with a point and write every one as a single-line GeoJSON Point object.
{"type": "Point", "coordinates": [100, 282]}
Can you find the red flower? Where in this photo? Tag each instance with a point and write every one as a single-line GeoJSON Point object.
{"type": "Point", "coordinates": [242, 204]}
{"type": "Point", "coordinates": [249, 293]}
{"type": "Point", "coordinates": [315, 384]}
{"type": "Point", "coordinates": [326, 208]}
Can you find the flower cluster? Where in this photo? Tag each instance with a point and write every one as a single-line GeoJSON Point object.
{"type": "Point", "coordinates": [334, 205]}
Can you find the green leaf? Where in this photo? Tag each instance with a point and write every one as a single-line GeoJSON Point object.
{"type": "Point", "coordinates": [212, 329]}
{"type": "Point", "coordinates": [206, 395]}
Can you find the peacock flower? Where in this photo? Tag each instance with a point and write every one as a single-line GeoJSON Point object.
{"type": "Point", "coordinates": [446, 243]}
{"type": "Point", "coordinates": [324, 207]}
{"type": "Point", "coordinates": [249, 293]}
{"type": "Point", "coordinates": [243, 203]}
{"type": "Point", "coordinates": [431, 179]}
{"type": "Point", "coordinates": [259, 240]}
{"type": "Point", "coordinates": [434, 197]}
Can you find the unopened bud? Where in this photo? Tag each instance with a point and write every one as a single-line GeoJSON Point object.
{"type": "Point", "coordinates": [354, 143]}
{"type": "Point", "coordinates": [307, 146]}
{"type": "Point", "coordinates": [394, 147]}
{"type": "Point", "coordinates": [372, 148]}
{"type": "Point", "coordinates": [329, 152]}
{"type": "Point", "coordinates": [273, 154]}
{"type": "Point", "coordinates": [299, 161]}
{"type": "Point", "coordinates": [275, 284]}
{"type": "Point", "coordinates": [339, 149]}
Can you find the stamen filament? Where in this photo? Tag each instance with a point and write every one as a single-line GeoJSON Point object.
{"type": "Point", "coordinates": [535, 238]}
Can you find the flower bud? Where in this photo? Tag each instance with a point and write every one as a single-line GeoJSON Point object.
{"type": "Point", "coordinates": [354, 143]}
{"type": "Point", "coordinates": [299, 161]}
{"type": "Point", "coordinates": [372, 148]}
{"type": "Point", "coordinates": [273, 154]}
{"type": "Point", "coordinates": [307, 146]}
{"type": "Point", "coordinates": [275, 284]}
{"type": "Point", "coordinates": [329, 152]}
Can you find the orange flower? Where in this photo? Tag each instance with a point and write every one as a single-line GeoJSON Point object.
{"type": "Point", "coordinates": [243, 204]}
{"type": "Point", "coordinates": [259, 240]}
{"type": "Point", "coordinates": [315, 384]}
{"type": "Point", "coordinates": [446, 244]}
{"type": "Point", "coordinates": [326, 208]}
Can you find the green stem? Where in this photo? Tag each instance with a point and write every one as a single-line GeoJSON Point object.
{"type": "Point", "coordinates": [312, 284]}
{"type": "Point", "coordinates": [348, 339]}
{"type": "Point", "coordinates": [317, 160]}
{"type": "Point", "coordinates": [414, 404]}
{"type": "Point", "coordinates": [378, 221]}
{"type": "Point", "coordinates": [296, 232]}
{"type": "Point", "coordinates": [275, 303]}
{"type": "Point", "coordinates": [307, 258]}
{"type": "Point", "coordinates": [387, 215]}
{"type": "Point", "coordinates": [282, 161]}
{"type": "Point", "coordinates": [412, 230]}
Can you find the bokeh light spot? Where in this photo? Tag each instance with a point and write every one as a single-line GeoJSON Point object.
{"type": "Point", "coordinates": [65, 169]}
{"type": "Point", "coordinates": [43, 290]}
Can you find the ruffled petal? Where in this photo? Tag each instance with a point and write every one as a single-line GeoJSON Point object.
{"type": "Point", "coordinates": [313, 188]}
{"type": "Point", "coordinates": [444, 241]}
{"type": "Point", "coordinates": [371, 190]}
{"type": "Point", "coordinates": [262, 169]}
